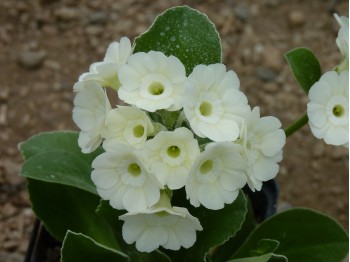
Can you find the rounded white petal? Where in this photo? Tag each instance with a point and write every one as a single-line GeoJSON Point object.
{"type": "Point", "coordinates": [328, 108]}
{"type": "Point", "coordinates": [128, 125]}
{"type": "Point", "coordinates": [213, 104]}
{"type": "Point", "coordinates": [133, 187]}
{"type": "Point", "coordinates": [171, 155]}
{"type": "Point", "coordinates": [91, 106]}
{"type": "Point", "coordinates": [220, 162]}
{"type": "Point", "coordinates": [343, 41]}
{"type": "Point", "coordinates": [262, 139]}
{"type": "Point", "coordinates": [105, 73]}
{"type": "Point", "coordinates": [169, 227]}
{"type": "Point", "coordinates": [152, 81]}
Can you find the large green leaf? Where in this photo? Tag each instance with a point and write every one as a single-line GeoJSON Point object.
{"type": "Point", "coordinates": [225, 251]}
{"type": "Point", "coordinates": [305, 67]}
{"type": "Point", "coordinates": [304, 235]}
{"type": "Point", "coordinates": [52, 141]}
{"type": "Point", "coordinates": [60, 167]}
{"type": "Point", "coordinates": [185, 33]}
{"type": "Point", "coordinates": [111, 216]}
{"type": "Point", "coordinates": [80, 248]}
{"type": "Point", "coordinates": [56, 157]}
{"type": "Point", "coordinates": [63, 208]}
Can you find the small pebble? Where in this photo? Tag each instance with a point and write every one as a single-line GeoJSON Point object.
{"type": "Point", "coordinates": [265, 74]}
{"type": "Point", "coordinates": [31, 59]}
{"type": "Point", "coordinates": [296, 18]}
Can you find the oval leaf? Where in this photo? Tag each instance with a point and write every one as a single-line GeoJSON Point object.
{"type": "Point", "coordinates": [304, 235]}
{"type": "Point", "coordinates": [185, 33]}
{"type": "Point", "coordinates": [60, 167]}
{"type": "Point", "coordinates": [56, 157]}
{"type": "Point", "coordinates": [305, 67]}
{"type": "Point", "coordinates": [52, 141]}
{"type": "Point", "coordinates": [63, 208]}
{"type": "Point", "coordinates": [80, 248]}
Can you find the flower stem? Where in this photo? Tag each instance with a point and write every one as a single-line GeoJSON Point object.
{"type": "Point", "coordinates": [296, 125]}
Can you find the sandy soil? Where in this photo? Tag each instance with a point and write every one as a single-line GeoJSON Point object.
{"type": "Point", "coordinates": [46, 44]}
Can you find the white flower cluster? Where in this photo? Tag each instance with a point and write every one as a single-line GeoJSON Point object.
{"type": "Point", "coordinates": [144, 161]}
{"type": "Point", "coordinates": [328, 108]}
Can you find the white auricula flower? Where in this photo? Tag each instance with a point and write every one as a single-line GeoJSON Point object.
{"type": "Point", "coordinates": [105, 73]}
{"type": "Point", "coordinates": [122, 177]}
{"type": "Point", "coordinates": [152, 81]}
{"type": "Point", "coordinates": [161, 225]}
{"type": "Point", "coordinates": [91, 106]}
{"type": "Point", "coordinates": [171, 155]}
{"type": "Point", "coordinates": [343, 42]}
{"type": "Point", "coordinates": [328, 108]}
{"type": "Point", "coordinates": [126, 124]}
{"type": "Point", "coordinates": [216, 176]}
{"type": "Point", "coordinates": [213, 104]}
{"type": "Point", "coordinates": [262, 140]}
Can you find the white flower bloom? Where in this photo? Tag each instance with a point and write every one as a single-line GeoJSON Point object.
{"type": "Point", "coordinates": [328, 108]}
{"type": "Point", "coordinates": [152, 81]}
{"type": "Point", "coordinates": [105, 73]}
{"type": "Point", "coordinates": [262, 139]}
{"type": "Point", "coordinates": [216, 176]}
{"type": "Point", "coordinates": [166, 226]}
{"type": "Point", "coordinates": [171, 155]}
{"type": "Point", "coordinates": [343, 41]}
{"type": "Point", "coordinates": [128, 125]}
{"type": "Point", "coordinates": [89, 113]}
{"type": "Point", "coordinates": [122, 177]}
{"type": "Point", "coordinates": [213, 104]}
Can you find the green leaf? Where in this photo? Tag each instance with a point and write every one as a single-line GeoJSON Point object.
{"type": "Point", "coordinates": [218, 227]}
{"type": "Point", "coordinates": [52, 141]}
{"type": "Point", "coordinates": [225, 251]}
{"type": "Point", "coordinates": [60, 167]}
{"type": "Point", "coordinates": [56, 157]}
{"type": "Point", "coordinates": [265, 246]}
{"type": "Point", "coordinates": [185, 33]}
{"type": "Point", "coordinates": [80, 248]}
{"type": "Point", "coordinates": [305, 67]}
{"type": "Point", "coordinates": [304, 235]}
{"type": "Point", "coordinates": [111, 216]}
{"type": "Point", "coordinates": [63, 208]}
{"type": "Point", "coordinates": [263, 253]}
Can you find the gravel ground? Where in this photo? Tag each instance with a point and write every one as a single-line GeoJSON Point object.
{"type": "Point", "coordinates": [46, 44]}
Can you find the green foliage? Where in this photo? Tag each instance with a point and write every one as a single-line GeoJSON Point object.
{"type": "Point", "coordinates": [80, 248]}
{"type": "Point", "coordinates": [225, 251]}
{"type": "Point", "coordinates": [176, 32]}
{"type": "Point", "coordinates": [63, 208]}
{"type": "Point", "coordinates": [304, 235]}
{"type": "Point", "coordinates": [305, 67]}
{"type": "Point", "coordinates": [56, 157]}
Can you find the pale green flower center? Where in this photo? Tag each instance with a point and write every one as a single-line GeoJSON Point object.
{"type": "Point", "coordinates": [162, 213]}
{"type": "Point", "coordinates": [138, 131]}
{"type": "Point", "coordinates": [173, 151]}
{"type": "Point", "coordinates": [206, 167]}
{"type": "Point", "coordinates": [156, 88]}
{"type": "Point", "coordinates": [338, 110]}
{"type": "Point", "coordinates": [134, 169]}
{"type": "Point", "coordinates": [205, 109]}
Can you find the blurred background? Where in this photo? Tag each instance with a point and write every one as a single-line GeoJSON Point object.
{"type": "Point", "coordinates": [46, 44]}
